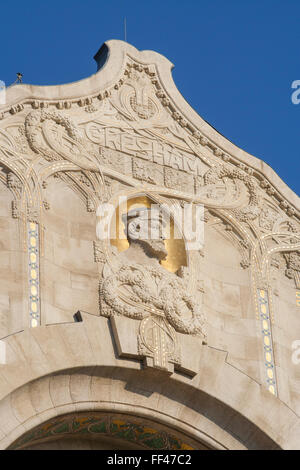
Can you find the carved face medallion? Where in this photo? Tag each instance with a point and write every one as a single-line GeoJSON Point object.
{"type": "Point", "coordinates": [146, 227]}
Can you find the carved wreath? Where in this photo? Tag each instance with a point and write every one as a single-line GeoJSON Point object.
{"type": "Point", "coordinates": [252, 210]}
{"type": "Point", "coordinates": [172, 294]}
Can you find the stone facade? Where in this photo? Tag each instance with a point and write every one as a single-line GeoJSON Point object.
{"type": "Point", "coordinates": [196, 349]}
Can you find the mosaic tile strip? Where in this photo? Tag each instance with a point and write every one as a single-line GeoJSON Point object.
{"type": "Point", "coordinates": [264, 316]}
{"type": "Point", "coordinates": [298, 298]}
{"type": "Point", "coordinates": [33, 262]}
{"type": "Point", "coordinates": [82, 425]}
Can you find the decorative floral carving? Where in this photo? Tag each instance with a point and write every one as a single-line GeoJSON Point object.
{"type": "Point", "coordinates": [15, 211]}
{"type": "Point", "coordinates": [178, 180]}
{"type": "Point", "coordinates": [32, 130]}
{"type": "Point", "coordinates": [142, 172]}
{"type": "Point", "coordinates": [13, 182]}
{"type": "Point", "coordinates": [21, 140]}
{"type": "Point", "coordinates": [267, 218]}
{"type": "Point", "coordinates": [293, 266]}
{"type": "Point", "coordinates": [91, 108]}
{"type": "Point", "coordinates": [46, 205]}
{"type": "Point", "coordinates": [16, 109]}
{"type": "Point", "coordinates": [39, 104]}
{"type": "Point", "coordinates": [157, 341]}
{"type": "Point", "coordinates": [99, 252]}
{"type": "Point", "coordinates": [85, 180]}
{"type": "Point", "coordinates": [90, 206]}
{"type": "Point", "coordinates": [287, 208]}
{"type": "Point", "coordinates": [143, 110]}
{"type": "Point", "coordinates": [250, 212]}
{"type": "Point", "coordinates": [218, 152]}
{"type": "Point", "coordinates": [140, 101]}
{"type": "Point", "coordinates": [147, 171]}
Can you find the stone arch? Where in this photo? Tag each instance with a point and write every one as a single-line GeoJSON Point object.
{"type": "Point", "coordinates": [122, 397]}
{"type": "Point", "coordinates": [56, 378]}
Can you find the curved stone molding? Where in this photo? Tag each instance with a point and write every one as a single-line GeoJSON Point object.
{"type": "Point", "coordinates": [67, 379]}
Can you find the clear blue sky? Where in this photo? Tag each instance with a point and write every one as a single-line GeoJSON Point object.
{"type": "Point", "coordinates": [234, 60]}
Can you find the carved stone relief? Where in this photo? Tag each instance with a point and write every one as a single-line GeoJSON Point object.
{"type": "Point", "coordinates": [178, 180]}
{"type": "Point", "coordinates": [147, 171]}
{"type": "Point", "coordinates": [135, 285]}
{"type": "Point", "coordinates": [132, 134]}
{"type": "Point", "coordinates": [293, 266]}
{"type": "Point", "coordinates": [252, 210]}
{"type": "Point", "coordinates": [267, 218]}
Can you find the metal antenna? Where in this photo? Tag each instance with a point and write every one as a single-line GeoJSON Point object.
{"type": "Point", "coordinates": [125, 30]}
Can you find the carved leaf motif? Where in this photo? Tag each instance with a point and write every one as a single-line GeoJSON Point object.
{"type": "Point", "coordinates": [267, 218]}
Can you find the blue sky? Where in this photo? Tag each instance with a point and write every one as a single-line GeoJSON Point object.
{"type": "Point", "coordinates": [235, 60]}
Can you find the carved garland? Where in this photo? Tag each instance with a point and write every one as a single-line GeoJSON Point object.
{"type": "Point", "coordinates": [32, 130]}
{"type": "Point", "coordinates": [252, 210]}
{"type": "Point", "coordinates": [169, 300]}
